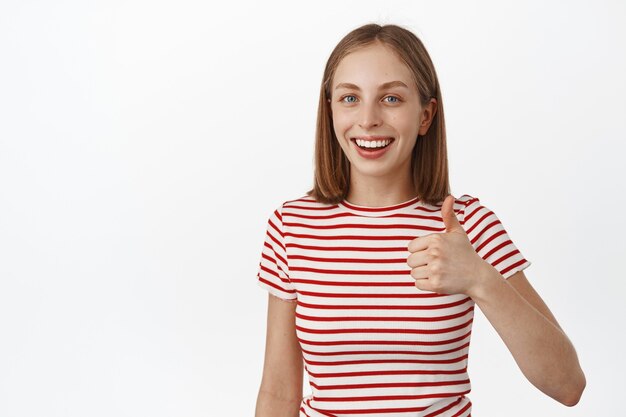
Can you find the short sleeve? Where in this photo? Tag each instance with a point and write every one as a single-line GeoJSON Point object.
{"type": "Point", "coordinates": [491, 240]}
{"type": "Point", "coordinates": [273, 273]}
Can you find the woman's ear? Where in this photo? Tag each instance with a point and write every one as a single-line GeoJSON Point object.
{"type": "Point", "coordinates": [429, 114]}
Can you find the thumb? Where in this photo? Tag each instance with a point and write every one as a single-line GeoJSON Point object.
{"type": "Point", "coordinates": [448, 215]}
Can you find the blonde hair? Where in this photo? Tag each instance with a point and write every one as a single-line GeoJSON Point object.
{"type": "Point", "coordinates": [429, 159]}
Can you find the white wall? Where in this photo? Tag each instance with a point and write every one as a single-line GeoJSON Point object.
{"type": "Point", "coordinates": [143, 145]}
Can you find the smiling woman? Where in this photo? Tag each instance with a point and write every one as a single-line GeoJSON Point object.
{"type": "Point", "coordinates": [383, 267]}
{"type": "Point", "coordinates": [397, 98]}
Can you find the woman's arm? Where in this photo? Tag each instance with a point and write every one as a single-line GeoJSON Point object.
{"type": "Point", "coordinates": [543, 352]}
{"type": "Point", "coordinates": [280, 393]}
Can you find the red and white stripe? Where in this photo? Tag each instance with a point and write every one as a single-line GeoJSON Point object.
{"type": "Point", "coordinates": [372, 342]}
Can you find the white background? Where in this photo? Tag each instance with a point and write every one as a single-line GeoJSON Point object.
{"type": "Point", "coordinates": [143, 145]}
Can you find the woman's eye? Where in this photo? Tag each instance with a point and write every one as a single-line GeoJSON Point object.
{"type": "Point", "coordinates": [396, 99]}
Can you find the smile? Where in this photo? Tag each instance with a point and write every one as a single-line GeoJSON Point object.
{"type": "Point", "coordinates": [372, 149]}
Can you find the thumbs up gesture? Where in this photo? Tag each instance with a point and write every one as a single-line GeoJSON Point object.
{"type": "Point", "coordinates": [445, 263]}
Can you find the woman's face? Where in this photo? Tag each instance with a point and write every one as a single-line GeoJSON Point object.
{"type": "Point", "coordinates": [363, 106]}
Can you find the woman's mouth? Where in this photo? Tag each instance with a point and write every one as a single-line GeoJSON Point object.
{"type": "Point", "coordinates": [372, 149]}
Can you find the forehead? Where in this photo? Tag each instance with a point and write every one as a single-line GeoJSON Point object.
{"type": "Point", "coordinates": [370, 66]}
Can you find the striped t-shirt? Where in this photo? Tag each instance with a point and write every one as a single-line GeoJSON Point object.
{"type": "Point", "coordinates": [373, 344]}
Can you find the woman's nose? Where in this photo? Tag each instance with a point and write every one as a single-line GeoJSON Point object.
{"type": "Point", "coordinates": [369, 115]}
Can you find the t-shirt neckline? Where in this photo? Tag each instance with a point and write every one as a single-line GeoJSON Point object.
{"type": "Point", "coordinates": [381, 211]}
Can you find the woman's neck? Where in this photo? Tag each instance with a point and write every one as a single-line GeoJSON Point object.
{"type": "Point", "coordinates": [380, 191]}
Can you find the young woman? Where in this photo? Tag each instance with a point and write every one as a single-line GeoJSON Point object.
{"type": "Point", "coordinates": [381, 267]}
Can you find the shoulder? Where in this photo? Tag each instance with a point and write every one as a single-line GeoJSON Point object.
{"type": "Point", "coordinates": [298, 206]}
{"type": "Point", "coordinates": [278, 209]}
{"type": "Point", "coordinates": [466, 200]}
{"type": "Point", "coordinates": [475, 216]}
{"type": "Point", "coordinates": [469, 207]}
{"type": "Point", "coordinates": [303, 204]}
{"type": "Point", "coordinates": [302, 200]}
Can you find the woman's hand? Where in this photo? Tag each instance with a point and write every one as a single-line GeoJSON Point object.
{"type": "Point", "coordinates": [446, 263]}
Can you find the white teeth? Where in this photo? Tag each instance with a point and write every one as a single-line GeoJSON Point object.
{"type": "Point", "coordinates": [372, 143]}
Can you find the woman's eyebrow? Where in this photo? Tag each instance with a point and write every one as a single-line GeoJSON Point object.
{"type": "Point", "coordinates": [389, 84]}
